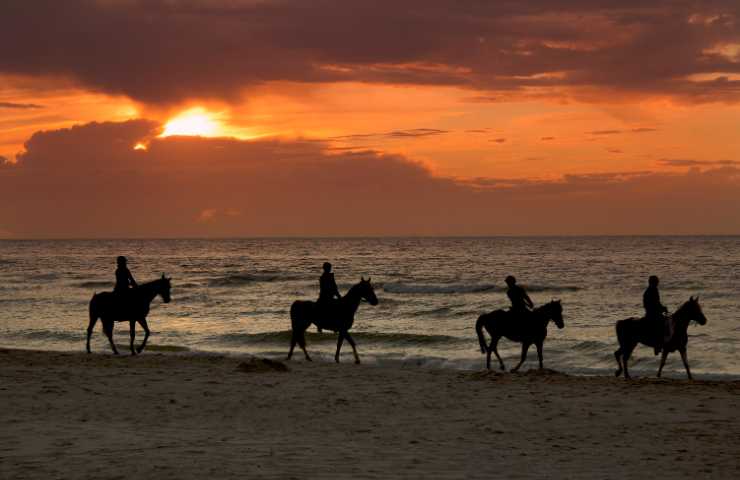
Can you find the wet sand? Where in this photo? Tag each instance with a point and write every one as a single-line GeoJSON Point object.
{"type": "Point", "coordinates": [181, 416]}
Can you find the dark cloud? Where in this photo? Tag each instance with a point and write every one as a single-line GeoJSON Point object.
{"type": "Point", "coordinates": [614, 150]}
{"type": "Point", "coordinates": [545, 139]}
{"type": "Point", "coordinates": [412, 133]}
{"type": "Point", "coordinates": [643, 130]}
{"type": "Point", "coordinates": [87, 181]}
{"type": "Point", "coordinates": [20, 106]}
{"type": "Point", "coordinates": [498, 140]}
{"type": "Point", "coordinates": [680, 162]}
{"type": "Point", "coordinates": [605, 132]}
{"type": "Point", "coordinates": [163, 51]}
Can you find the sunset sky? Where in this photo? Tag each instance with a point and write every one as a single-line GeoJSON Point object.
{"type": "Point", "coordinates": [124, 118]}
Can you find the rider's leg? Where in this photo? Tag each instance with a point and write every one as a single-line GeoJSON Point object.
{"type": "Point", "coordinates": [658, 335]}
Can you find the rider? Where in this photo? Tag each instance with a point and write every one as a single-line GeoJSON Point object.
{"type": "Point", "coordinates": [124, 279]}
{"type": "Point", "coordinates": [654, 311]}
{"type": "Point", "coordinates": [521, 304]}
{"type": "Point", "coordinates": [327, 289]}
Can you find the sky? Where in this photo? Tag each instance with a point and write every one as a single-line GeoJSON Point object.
{"type": "Point", "coordinates": [223, 118]}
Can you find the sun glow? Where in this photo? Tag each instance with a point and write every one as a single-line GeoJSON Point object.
{"type": "Point", "coordinates": [194, 122]}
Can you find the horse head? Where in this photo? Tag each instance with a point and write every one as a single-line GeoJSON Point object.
{"type": "Point", "coordinates": [164, 288]}
{"type": "Point", "coordinates": [367, 292]}
{"type": "Point", "coordinates": [693, 311]}
{"type": "Point", "coordinates": [555, 310]}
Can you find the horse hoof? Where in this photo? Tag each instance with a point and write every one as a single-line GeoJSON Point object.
{"type": "Point", "coordinates": [617, 373]}
{"type": "Point", "coordinates": [357, 362]}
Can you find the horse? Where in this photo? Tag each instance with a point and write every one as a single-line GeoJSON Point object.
{"type": "Point", "coordinates": [502, 323]}
{"type": "Point", "coordinates": [338, 317]}
{"type": "Point", "coordinates": [131, 306]}
{"type": "Point", "coordinates": [632, 331]}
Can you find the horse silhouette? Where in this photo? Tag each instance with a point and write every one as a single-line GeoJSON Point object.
{"type": "Point", "coordinates": [337, 317]}
{"type": "Point", "coordinates": [502, 323]}
{"type": "Point", "coordinates": [131, 306]}
{"type": "Point", "coordinates": [632, 331]}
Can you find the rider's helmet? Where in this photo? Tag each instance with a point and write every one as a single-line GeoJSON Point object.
{"type": "Point", "coordinates": [121, 260]}
{"type": "Point", "coordinates": [327, 267]}
{"type": "Point", "coordinates": [653, 281]}
{"type": "Point", "coordinates": [510, 280]}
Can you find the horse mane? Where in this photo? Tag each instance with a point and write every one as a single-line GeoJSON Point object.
{"type": "Point", "coordinates": [353, 288]}
{"type": "Point", "coordinates": [542, 307]}
{"type": "Point", "coordinates": [681, 309]}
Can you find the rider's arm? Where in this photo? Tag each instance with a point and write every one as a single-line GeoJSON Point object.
{"type": "Point", "coordinates": [131, 279]}
{"type": "Point", "coordinates": [336, 290]}
{"type": "Point", "coordinates": [528, 300]}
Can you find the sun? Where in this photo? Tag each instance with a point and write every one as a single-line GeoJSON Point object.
{"type": "Point", "coordinates": [196, 122]}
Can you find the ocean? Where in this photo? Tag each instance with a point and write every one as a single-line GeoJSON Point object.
{"type": "Point", "coordinates": [233, 296]}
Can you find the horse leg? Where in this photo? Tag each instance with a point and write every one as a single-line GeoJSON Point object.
{"type": "Point", "coordinates": [293, 341]}
{"type": "Point", "coordinates": [625, 359]}
{"type": "Point", "coordinates": [682, 351]}
{"type": "Point", "coordinates": [662, 362]}
{"type": "Point", "coordinates": [494, 347]}
{"type": "Point", "coordinates": [302, 343]}
{"type": "Point", "coordinates": [108, 330]}
{"type": "Point", "coordinates": [90, 327]}
{"type": "Point", "coordinates": [354, 347]}
{"type": "Point", "coordinates": [525, 348]}
{"type": "Point", "coordinates": [132, 334]}
{"type": "Point", "coordinates": [145, 326]}
{"type": "Point", "coordinates": [340, 339]}
{"type": "Point", "coordinates": [618, 356]}
{"type": "Point", "coordinates": [539, 353]}
{"type": "Point", "coordinates": [488, 356]}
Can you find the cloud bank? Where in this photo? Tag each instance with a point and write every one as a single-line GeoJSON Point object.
{"type": "Point", "coordinates": [88, 181]}
{"type": "Point", "coordinates": [165, 51]}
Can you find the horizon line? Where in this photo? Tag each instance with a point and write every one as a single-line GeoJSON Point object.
{"type": "Point", "coordinates": [379, 237]}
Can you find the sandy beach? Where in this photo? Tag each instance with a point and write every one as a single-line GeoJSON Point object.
{"type": "Point", "coordinates": [167, 415]}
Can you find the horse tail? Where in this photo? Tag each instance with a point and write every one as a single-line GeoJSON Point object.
{"type": "Point", "coordinates": [479, 331]}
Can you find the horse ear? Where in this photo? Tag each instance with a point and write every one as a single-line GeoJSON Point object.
{"type": "Point", "coordinates": [162, 276]}
{"type": "Point", "coordinates": [368, 279]}
{"type": "Point", "coordinates": [691, 298]}
{"type": "Point", "coordinates": [362, 278]}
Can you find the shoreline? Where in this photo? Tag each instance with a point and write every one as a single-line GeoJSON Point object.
{"type": "Point", "coordinates": [642, 365]}
{"type": "Point", "coordinates": [184, 416]}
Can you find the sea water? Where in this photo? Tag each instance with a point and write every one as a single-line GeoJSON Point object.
{"type": "Point", "coordinates": [234, 296]}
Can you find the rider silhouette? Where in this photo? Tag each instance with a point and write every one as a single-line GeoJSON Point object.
{"type": "Point", "coordinates": [124, 279]}
{"type": "Point", "coordinates": [327, 286]}
{"type": "Point", "coordinates": [328, 290]}
{"type": "Point", "coordinates": [521, 304]}
{"type": "Point", "coordinates": [654, 311]}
